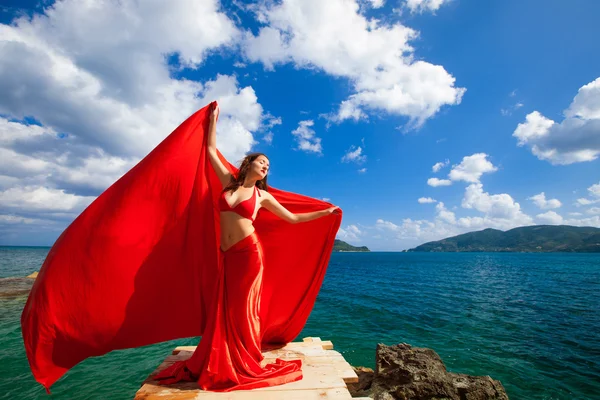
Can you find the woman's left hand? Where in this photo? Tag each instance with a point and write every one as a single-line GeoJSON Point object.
{"type": "Point", "coordinates": [331, 210]}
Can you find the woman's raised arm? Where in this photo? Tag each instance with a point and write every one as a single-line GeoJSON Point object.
{"type": "Point", "coordinates": [222, 172]}
{"type": "Point", "coordinates": [271, 204]}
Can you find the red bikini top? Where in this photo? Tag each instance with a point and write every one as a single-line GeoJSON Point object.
{"type": "Point", "coordinates": [244, 208]}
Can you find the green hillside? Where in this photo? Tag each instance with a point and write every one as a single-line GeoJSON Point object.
{"type": "Point", "coordinates": [537, 238]}
{"type": "Point", "coordinates": [340, 245]}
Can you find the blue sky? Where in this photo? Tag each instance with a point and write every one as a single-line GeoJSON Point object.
{"type": "Point", "coordinates": [353, 101]}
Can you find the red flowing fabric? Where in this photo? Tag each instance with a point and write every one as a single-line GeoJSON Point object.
{"type": "Point", "coordinates": [141, 264]}
{"type": "Point", "coordinates": [229, 355]}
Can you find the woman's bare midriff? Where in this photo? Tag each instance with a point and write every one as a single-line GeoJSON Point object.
{"type": "Point", "coordinates": [234, 228]}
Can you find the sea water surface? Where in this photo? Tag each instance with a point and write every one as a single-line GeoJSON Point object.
{"type": "Point", "coordinates": [528, 320]}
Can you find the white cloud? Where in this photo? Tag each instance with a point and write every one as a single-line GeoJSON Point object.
{"type": "Point", "coordinates": [534, 127]}
{"type": "Point", "coordinates": [498, 206]}
{"type": "Point", "coordinates": [439, 165]}
{"type": "Point", "coordinates": [444, 214]}
{"type": "Point", "coordinates": [115, 92]}
{"type": "Point", "coordinates": [575, 139]}
{"type": "Point", "coordinates": [438, 182]}
{"type": "Point", "coordinates": [351, 232]}
{"type": "Point", "coordinates": [425, 200]}
{"type": "Point", "coordinates": [268, 138]}
{"type": "Point", "coordinates": [409, 230]}
{"type": "Point", "coordinates": [37, 198]}
{"type": "Point", "coordinates": [550, 218]}
{"type": "Point", "coordinates": [419, 6]}
{"type": "Point", "coordinates": [306, 137]}
{"type": "Point", "coordinates": [13, 219]}
{"type": "Point", "coordinates": [376, 3]}
{"type": "Point", "coordinates": [269, 121]}
{"type": "Point", "coordinates": [593, 211]}
{"type": "Point", "coordinates": [354, 154]}
{"type": "Point", "coordinates": [362, 170]}
{"type": "Point", "coordinates": [584, 202]}
{"type": "Point", "coordinates": [541, 201]}
{"type": "Point", "coordinates": [376, 58]}
{"type": "Point", "coordinates": [508, 111]}
{"type": "Point", "coordinates": [471, 168]}
{"type": "Point", "coordinates": [498, 211]}
{"type": "Point", "coordinates": [591, 221]}
{"type": "Point", "coordinates": [95, 76]}
{"type": "Point", "coordinates": [594, 192]}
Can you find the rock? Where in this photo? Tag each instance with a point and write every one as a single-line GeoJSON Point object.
{"type": "Point", "coordinates": [363, 387]}
{"type": "Point", "coordinates": [404, 372]}
{"type": "Point", "coordinates": [15, 287]}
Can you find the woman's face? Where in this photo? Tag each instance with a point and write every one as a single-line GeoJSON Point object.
{"type": "Point", "coordinates": [261, 166]}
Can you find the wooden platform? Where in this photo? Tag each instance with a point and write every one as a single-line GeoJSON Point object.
{"type": "Point", "coordinates": [325, 374]}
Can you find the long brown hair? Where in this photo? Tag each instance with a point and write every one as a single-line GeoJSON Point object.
{"type": "Point", "coordinates": [237, 181]}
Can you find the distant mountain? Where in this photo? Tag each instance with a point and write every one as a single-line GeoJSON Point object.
{"type": "Point", "coordinates": [340, 245]}
{"type": "Point", "coordinates": [537, 238]}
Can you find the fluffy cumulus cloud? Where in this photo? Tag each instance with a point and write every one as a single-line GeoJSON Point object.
{"type": "Point", "coordinates": [594, 190]}
{"type": "Point", "coordinates": [351, 233]}
{"type": "Point", "coordinates": [376, 57]}
{"type": "Point", "coordinates": [499, 211]}
{"type": "Point", "coordinates": [306, 137]}
{"type": "Point", "coordinates": [575, 139]}
{"type": "Point", "coordinates": [501, 206]}
{"type": "Point", "coordinates": [543, 203]}
{"type": "Point", "coordinates": [481, 210]}
{"type": "Point", "coordinates": [439, 165]}
{"type": "Point", "coordinates": [469, 170]}
{"type": "Point", "coordinates": [38, 198]}
{"type": "Point", "coordinates": [376, 3]}
{"type": "Point", "coordinates": [420, 6]}
{"type": "Point", "coordinates": [594, 196]}
{"type": "Point", "coordinates": [86, 90]}
{"type": "Point", "coordinates": [549, 218]}
{"type": "Point", "coordinates": [354, 154]}
{"type": "Point", "coordinates": [438, 182]}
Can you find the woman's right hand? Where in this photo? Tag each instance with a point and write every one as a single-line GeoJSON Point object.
{"type": "Point", "coordinates": [215, 112]}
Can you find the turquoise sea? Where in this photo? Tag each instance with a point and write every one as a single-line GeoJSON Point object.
{"type": "Point", "coordinates": [530, 320]}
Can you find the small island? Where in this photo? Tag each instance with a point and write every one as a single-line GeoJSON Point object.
{"type": "Point", "coordinates": [530, 239]}
{"type": "Point", "coordinates": [340, 245]}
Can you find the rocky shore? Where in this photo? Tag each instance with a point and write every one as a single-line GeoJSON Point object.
{"type": "Point", "coordinates": [14, 287]}
{"type": "Point", "coordinates": [403, 372]}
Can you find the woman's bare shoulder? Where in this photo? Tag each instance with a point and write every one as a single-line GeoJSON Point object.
{"type": "Point", "coordinates": [264, 194]}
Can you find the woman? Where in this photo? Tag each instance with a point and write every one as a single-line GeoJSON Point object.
{"type": "Point", "coordinates": [143, 264]}
{"type": "Point", "coordinates": [229, 354]}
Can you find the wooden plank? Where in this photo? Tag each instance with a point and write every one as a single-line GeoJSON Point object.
{"type": "Point", "coordinates": [327, 344]}
{"type": "Point", "coordinates": [183, 394]}
{"type": "Point", "coordinates": [325, 374]}
{"type": "Point", "coordinates": [311, 339]}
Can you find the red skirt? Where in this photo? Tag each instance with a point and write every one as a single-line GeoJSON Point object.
{"type": "Point", "coordinates": [228, 356]}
